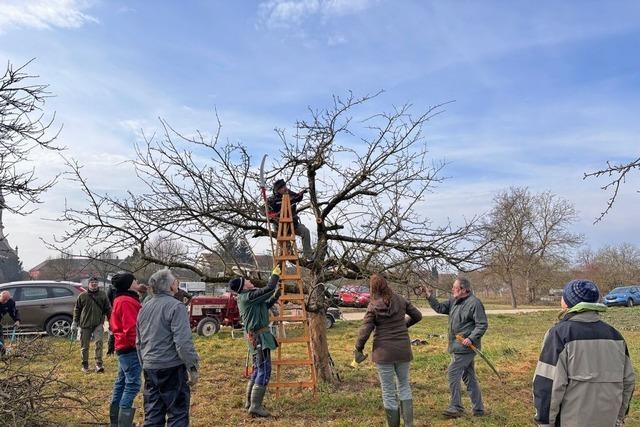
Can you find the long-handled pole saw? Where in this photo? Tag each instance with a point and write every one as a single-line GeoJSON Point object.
{"type": "Point", "coordinates": [263, 190]}
{"type": "Point", "coordinates": [477, 351]}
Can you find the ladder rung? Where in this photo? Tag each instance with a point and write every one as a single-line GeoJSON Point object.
{"type": "Point", "coordinates": [301, 384]}
{"type": "Point", "coordinates": [292, 297]}
{"type": "Point", "coordinates": [287, 257]}
{"type": "Point", "coordinates": [287, 237]}
{"type": "Point", "coordinates": [288, 318]}
{"type": "Point", "coordinates": [293, 339]}
{"type": "Point", "coordinates": [292, 362]}
{"type": "Point", "coordinates": [291, 277]}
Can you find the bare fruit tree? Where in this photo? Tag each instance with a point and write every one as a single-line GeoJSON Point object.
{"type": "Point", "coordinates": [23, 129]}
{"type": "Point", "coordinates": [618, 175]}
{"type": "Point", "coordinates": [367, 182]}
{"type": "Point", "coordinates": [526, 234]}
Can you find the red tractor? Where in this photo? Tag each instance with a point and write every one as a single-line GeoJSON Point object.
{"type": "Point", "coordinates": [208, 312]}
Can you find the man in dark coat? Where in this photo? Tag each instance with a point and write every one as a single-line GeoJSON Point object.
{"type": "Point", "coordinates": [468, 319]}
{"type": "Point", "coordinates": [274, 204]}
{"type": "Point", "coordinates": [7, 306]}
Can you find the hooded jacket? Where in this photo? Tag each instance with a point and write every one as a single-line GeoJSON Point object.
{"type": "Point", "coordinates": [122, 323]}
{"type": "Point", "coordinates": [584, 376]}
{"type": "Point", "coordinates": [389, 325]}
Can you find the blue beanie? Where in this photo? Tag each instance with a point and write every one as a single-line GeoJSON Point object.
{"type": "Point", "coordinates": [577, 291]}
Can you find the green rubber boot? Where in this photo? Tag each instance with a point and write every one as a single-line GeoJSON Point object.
{"type": "Point", "coordinates": [393, 417]}
{"type": "Point", "coordinates": [247, 403]}
{"type": "Point", "coordinates": [125, 417]}
{"type": "Point", "coordinates": [407, 412]}
{"type": "Point", "coordinates": [257, 396]}
{"type": "Point", "coordinates": [114, 409]}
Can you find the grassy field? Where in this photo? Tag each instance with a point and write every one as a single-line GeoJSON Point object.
{"type": "Point", "coordinates": [512, 342]}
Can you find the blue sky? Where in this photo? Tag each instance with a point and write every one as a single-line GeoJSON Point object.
{"type": "Point", "coordinates": [543, 91]}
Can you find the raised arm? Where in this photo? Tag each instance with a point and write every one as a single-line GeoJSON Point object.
{"type": "Point", "coordinates": [439, 307]}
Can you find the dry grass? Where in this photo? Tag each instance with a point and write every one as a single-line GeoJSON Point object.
{"type": "Point", "coordinates": [512, 342]}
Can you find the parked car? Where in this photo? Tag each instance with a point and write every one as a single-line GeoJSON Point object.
{"type": "Point", "coordinates": [44, 306]}
{"type": "Point", "coordinates": [625, 295]}
{"type": "Point", "coordinates": [333, 314]}
{"type": "Point", "coordinates": [354, 296]}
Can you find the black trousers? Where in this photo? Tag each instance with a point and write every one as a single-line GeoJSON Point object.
{"type": "Point", "coordinates": [166, 397]}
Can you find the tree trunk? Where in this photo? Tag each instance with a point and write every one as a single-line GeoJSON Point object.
{"type": "Point", "coordinates": [320, 347]}
{"type": "Point", "coordinates": [514, 302]}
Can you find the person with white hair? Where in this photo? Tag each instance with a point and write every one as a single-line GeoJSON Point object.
{"type": "Point", "coordinates": [468, 319]}
{"type": "Point", "coordinates": [167, 354]}
{"type": "Point", "coordinates": [7, 306]}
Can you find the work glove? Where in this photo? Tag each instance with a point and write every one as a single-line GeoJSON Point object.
{"type": "Point", "coordinates": [16, 324]}
{"type": "Point", "coordinates": [277, 270]}
{"type": "Point", "coordinates": [74, 325]}
{"type": "Point", "coordinates": [359, 356]}
{"type": "Point", "coordinates": [193, 375]}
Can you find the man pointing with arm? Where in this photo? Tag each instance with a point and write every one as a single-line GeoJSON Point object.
{"type": "Point", "coordinates": [468, 319]}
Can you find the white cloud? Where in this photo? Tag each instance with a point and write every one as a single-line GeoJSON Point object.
{"type": "Point", "coordinates": [291, 13]}
{"type": "Point", "coordinates": [43, 14]}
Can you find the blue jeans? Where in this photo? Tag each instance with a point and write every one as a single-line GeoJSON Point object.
{"type": "Point", "coordinates": [128, 382]}
{"type": "Point", "coordinates": [261, 367]}
{"type": "Point", "coordinates": [388, 374]}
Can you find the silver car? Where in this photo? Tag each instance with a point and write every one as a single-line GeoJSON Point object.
{"type": "Point", "coordinates": [44, 305]}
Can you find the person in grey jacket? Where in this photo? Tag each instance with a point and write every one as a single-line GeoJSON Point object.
{"type": "Point", "coordinates": [387, 318]}
{"type": "Point", "coordinates": [584, 375]}
{"type": "Point", "coordinates": [468, 319]}
{"type": "Point", "coordinates": [167, 355]}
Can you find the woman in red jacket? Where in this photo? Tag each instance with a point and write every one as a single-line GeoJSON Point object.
{"type": "Point", "coordinates": [122, 323]}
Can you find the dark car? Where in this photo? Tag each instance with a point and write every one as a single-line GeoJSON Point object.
{"type": "Point", "coordinates": [625, 295]}
{"type": "Point", "coordinates": [354, 296]}
{"type": "Point", "coordinates": [44, 306]}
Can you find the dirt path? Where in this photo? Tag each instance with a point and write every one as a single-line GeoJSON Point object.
{"type": "Point", "coordinates": [359, 315]}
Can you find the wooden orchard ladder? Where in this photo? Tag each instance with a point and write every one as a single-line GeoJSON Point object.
{"type": "Point", "coordinates": [292, 312]}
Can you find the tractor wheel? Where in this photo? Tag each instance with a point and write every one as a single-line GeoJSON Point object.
{"type": "Point", "coordinates": [208, 327]}
{"type": "Point", "coordinates": [630, 302]}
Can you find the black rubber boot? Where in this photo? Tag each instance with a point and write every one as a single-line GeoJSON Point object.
{"type": "Point", "coordinates": [247, 403]}
{"type": "Point", "coordinates": [125, 417]}
{"type": "Point", "coordinates": [114, 409]}
{"type": "Point", "coordinates": [393, 417]}
{"type": "Point", "coordinates": [257, 396]}
{"type": "Point", "coordinates": [407, 412]}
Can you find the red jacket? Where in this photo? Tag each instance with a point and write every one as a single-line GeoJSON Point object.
{"type": "Point", "coordinates": [123, 320]}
